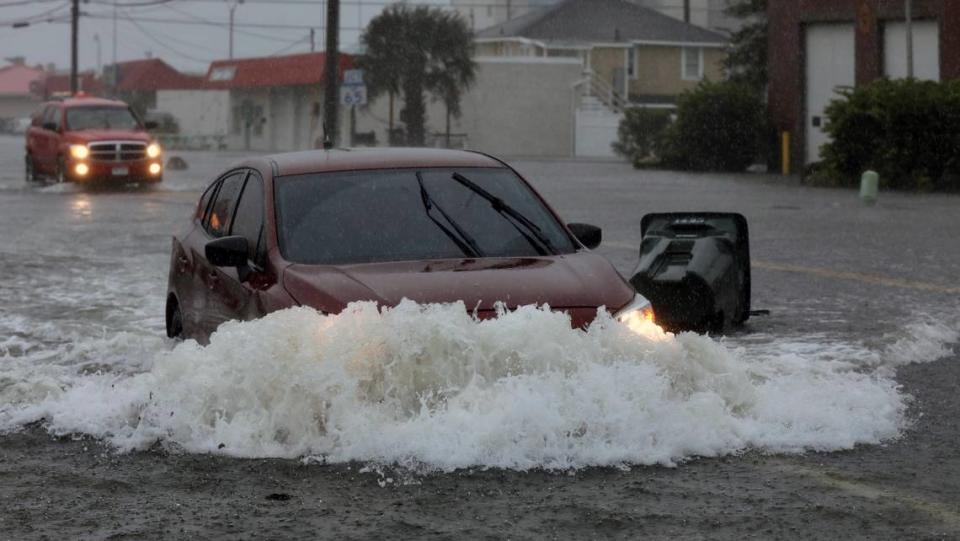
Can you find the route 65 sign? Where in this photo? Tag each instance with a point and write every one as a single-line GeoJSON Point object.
{"type": "Point", "coordinates": [353, 92]}
{"type": "Point", "coordinates": [351, 95]}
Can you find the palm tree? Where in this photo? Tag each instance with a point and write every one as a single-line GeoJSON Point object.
{"type": "Point", "coordinates": [417, 50]}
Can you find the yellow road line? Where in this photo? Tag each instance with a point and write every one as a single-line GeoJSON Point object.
{"type": "Point", "coordinates": [833, 274]}
{"type": "Point", "coordinates": [946, 514]}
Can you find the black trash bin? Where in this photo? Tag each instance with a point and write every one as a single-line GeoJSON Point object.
{"type": "Point", "coordinates": [695, 269]}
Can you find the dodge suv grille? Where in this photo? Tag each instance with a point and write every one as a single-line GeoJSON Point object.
{"type": "Point", "coordinates": [118, 151]}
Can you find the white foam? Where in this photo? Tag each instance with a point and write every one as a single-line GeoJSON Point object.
{"type": "Point", "coordinates": [430, 388]}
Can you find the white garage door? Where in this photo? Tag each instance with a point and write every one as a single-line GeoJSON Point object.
{"type": "Point", "coordinates": [830, 66]}
{"type": "Point", "coordinates": [926, 50]}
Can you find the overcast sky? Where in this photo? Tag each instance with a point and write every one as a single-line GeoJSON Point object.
{"type": "Point", "coordinates": [189, 47]}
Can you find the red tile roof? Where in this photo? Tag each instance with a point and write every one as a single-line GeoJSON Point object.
{"type": "Point", "coordinates": [153, 74]}
{"type": "Point", "coordinates": [290, 70]}
{"type": "Point", "coordinates": [59, 84]}
{"type": "Point", "coordinates": [15, 80]}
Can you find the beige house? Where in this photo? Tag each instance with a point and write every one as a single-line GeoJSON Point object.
{"type": "Point", "coordinates": [633, 55]}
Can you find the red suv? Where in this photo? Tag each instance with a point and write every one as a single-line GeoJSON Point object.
{"type": "Point", "coordinates": [85, 139]}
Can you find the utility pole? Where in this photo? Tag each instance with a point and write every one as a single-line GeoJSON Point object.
{"type": "Point", "coordinates": [96, 39]}
{"type": "Point", "coordinates": [909, 16]}
{"type": "Point", "coordinates": [74, 28]}
{"type": "Point", "coordinates": [233, 7]}
{"type": "Point", "coordinates": [686, 11]}
{"type": "Point", "coordinates": [313, 43]}
{"type": "Point", "coordinates": [331, 91]}
{"type": "Point", "coordinates": [115, 71]}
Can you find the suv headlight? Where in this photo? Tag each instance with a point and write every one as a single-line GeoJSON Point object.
{"type": "Point", "coordinates": [636, 313]}
{"type": "Point", "coordinates": [79, 152]}
{"type": "Point", "coordinates": [153, 150]}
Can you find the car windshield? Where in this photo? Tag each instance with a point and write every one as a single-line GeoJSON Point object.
{"type": "Point", "coordinates": [101, 118]}
{"type": "Point", "coordinates": [384, 215]}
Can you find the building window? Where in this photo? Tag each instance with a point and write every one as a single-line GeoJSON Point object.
{"type": "Point", "coordinates": [692, 63]}
{"type": "Point", "coordinates": [632, 62]}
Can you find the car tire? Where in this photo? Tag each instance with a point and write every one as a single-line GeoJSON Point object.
{"type": "Point", "coordinates": [174, 319]}
{"type": "Point", "coordinates": [61, 174]}
{"type": "Point", "coordinates": [30, 169]}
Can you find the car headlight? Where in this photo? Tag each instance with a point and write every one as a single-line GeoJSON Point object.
{"type": "Point", "coordinates": [79, 152]}
{"type": "Point", "coordinates": [153, 150]}
{"type": "Point", "coordinates": [635, 314]}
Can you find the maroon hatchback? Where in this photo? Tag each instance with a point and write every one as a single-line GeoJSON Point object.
{"type": "Point", "coordinates": [326, 228]}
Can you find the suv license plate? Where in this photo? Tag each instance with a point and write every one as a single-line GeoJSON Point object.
{"type": "Point", "coordinates": [120, 171]}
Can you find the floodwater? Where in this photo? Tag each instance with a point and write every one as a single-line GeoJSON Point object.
{"type": "Point", "coordinates": [423, 388]}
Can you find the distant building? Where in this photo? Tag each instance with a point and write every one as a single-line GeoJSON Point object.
{"type": "Point", "coordinates": [706, 13]}
{"type": "Point", "coordinates": [19, 97]}
{"type": "Point", "coordinates": [633, 54]}
{"type": "Point", "coordinates": [482, 14]}
{"type": "Point", "coordinates": [268, 103]}
{"type": "Point", "coordinates": [137, 81]}
{"type": "Point", "coordinates": [820, 46]}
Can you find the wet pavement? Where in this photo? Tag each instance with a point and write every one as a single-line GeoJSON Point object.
{"type": "Point", "coordinates": [84, 275]}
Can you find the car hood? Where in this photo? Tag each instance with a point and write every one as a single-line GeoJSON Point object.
{"type": "Point", "coordinates": [579, 280]}
{"type": "Point", "coordinates": [89, 136]}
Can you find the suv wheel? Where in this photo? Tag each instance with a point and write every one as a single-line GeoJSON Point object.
{"type": "Point", "coordinates": [30, 168]}
{"type": "Point", "coordinates": [61, 175]}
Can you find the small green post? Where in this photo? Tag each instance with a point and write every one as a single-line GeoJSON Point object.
{"type": "Point", "coordinates": [869, 187]}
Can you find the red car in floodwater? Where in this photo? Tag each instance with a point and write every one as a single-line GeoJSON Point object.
{"type": "Point", "coordinates": [84, 139]}
{"type": "Point", "coordinates": [326, 228]}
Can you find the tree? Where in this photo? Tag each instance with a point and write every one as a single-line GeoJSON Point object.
{"type": "Point", "coordinates": [746, 60]}
{"type": "Point", "coordinates": [414, 51]}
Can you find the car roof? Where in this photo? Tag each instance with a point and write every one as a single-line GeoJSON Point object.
{"type": "Point", "coordinates": [81, 101]}
{"type": "Point", "coordinates": [346, 159]}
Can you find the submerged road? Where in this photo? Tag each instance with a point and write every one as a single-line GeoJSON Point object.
{"type": "Point", "coordinates": [82, 291]}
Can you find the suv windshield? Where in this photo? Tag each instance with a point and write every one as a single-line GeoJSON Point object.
{"type": "Point", "coordinates": [371, 216]}
{"type": "Point", "coordinates": [101, 118]}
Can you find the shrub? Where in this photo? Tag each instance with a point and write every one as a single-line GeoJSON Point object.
{"type": "Point", "coordinates": [718, 128]}
{"type": "Point", "coordinates": [640, 133]}
{"type": "Point", "coordinates": [906, 130]}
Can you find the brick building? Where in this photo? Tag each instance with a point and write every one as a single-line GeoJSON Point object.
{"type": "Point", "coordinates": [819, 46]}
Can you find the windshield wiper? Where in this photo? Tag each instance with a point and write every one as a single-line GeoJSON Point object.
{"type": "Point", "coordinates": [461, 238]}
{"type": "Point", "coordinates": [506, 210]}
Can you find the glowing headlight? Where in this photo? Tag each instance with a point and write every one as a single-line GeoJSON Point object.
{"type": "Point", "coordinates": [79, 152]}
{"type": "Point", "coordinates": [638, 311]}
{"type": "Point", "coordinates": [153, 150]}
{"type": "Point", "coordinates": [82, 169]}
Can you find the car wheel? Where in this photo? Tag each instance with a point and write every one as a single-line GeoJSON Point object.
{"type": "Point", "coordinates": [61, 175]}
{"type": "Point", "coordinates": [31, 170]}
{"type": "Point", "coordinates": [174, 319]}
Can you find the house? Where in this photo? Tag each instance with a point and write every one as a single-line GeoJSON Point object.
{"type": "Point", "coordinates": [18, 96]}
{"type": "Point", "coordinates": [137, 81]}
{"type": "Point", "coordinates": [57, 85]}
{"type": "Point", "coordinates": [817, 47]}
{"type": "Point", "coordinates": [268, 103]}
{"type": "Point", "coordinates": [481, 14]}
{"type": "Point", "coordinates": [705, 13]}
{"type": "Point", "coordinates": [634, 55]}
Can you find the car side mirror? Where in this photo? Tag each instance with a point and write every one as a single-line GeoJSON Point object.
{"type": "Point", "coordinates": [227, 251]}
{"type": "Point", "coordinates": [588, 235]}
{"type": "Point", "coordinates": [51, 126]}
{"type": "Point", "coordinates": [150, 125]}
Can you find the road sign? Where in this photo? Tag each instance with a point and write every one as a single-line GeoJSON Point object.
{"type": "Point", "coordinates": [351, 95]}
{"type": "Point", "coordinates": [353, 78]}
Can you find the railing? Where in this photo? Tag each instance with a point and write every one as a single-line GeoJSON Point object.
{"type": "Point", "coordinates": [604, 91]}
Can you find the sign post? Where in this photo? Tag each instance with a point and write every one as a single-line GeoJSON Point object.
{"type": "Point", "coordinates": [353, 93]}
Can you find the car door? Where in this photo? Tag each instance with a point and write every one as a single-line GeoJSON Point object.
{"type": "Point", "coordinates": [35, 135]}
{"type": "Point", "coordinates": [44, 142]}
{"type": "Point", "coordinates": [238, 292]}
{"type": "Point", "coordinates": [209, 307]}
{"type": "Point", "coordinates": [187, 247]}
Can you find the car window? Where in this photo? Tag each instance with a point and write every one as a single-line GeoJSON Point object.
{"type": "Point", "coordinates": [369, 216]}
{"type": "Point", "coordinates": [52, 115]}
{"type": "Point", "coordinates": [101, 118]}
{"type": "Point", "coordinates": [204, 203]}
{"type": "Point", "coordinates": [218, 220]}
{"type": "Point", "coordinates": [248, 220]}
